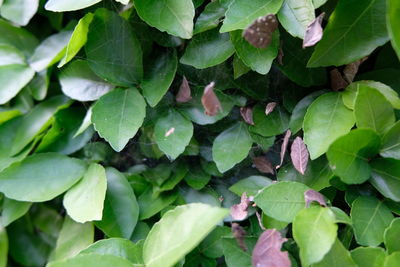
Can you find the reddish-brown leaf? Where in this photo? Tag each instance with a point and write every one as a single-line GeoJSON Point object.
{"type": "Point", "coordinates": [351, 69]}
{"type": "Point", "coordinates": [267, 252]}
{"type": "Point", "coordinates": [284, 147]}
{"type": "Point", "coordinates": [259, 33]}
{"type": "Point", "coordinates": [314, 31]}
{"type": "Point", "coordinates": [239, 233]}
{"type": "Point", "coordinates": [184, 94]}
{"type": "Point", "coordinates": [263, 165]}
{"type": "Point", "coordinates": [210, 101]}
{"type": "Point", "coordinates": [239, 211]}
{"type": "Point", "coordinates": [337, 81]}
{"type": "Point", "coordinates": [299, 155]}
{"type": "Point", "coordinates": [312, 195]}
{"type": "Point", "coordinates": [270, 107]}
{"type": "Point", "coordinates": [247, 114]}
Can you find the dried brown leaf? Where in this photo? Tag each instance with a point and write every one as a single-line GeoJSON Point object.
{"type": "Point", "coordinates": [247, 114]}
{"type": "Point", "coordinates": [337, 81]}
{"type": "Point", "coordinates": [259, 33]}
{"type": "Point", "coordinates": [270, 107]}
{"type": "Point", "coordinates": [351, 69]}
{"type": "Point", "coordinates": [299, 155]}
{"type": "Point", "coordinates": [239, 233]}
{"type": "Point", "coordinates": [239, 211]}
{"type": "Point", "coordinates": [184, 93]}
{"type": "Point", "coordinates": [210, 101]}
{"type": "Point", "coordinates": [284, 147]}
{"type": "Point", "coordinates": [267, 251]}
{"type": "Point", "coordinates": [314, 31]}
{"type": "Point", "coordinates": [263, 165]}
{"type": "Point", "coordinates": [312, 195]}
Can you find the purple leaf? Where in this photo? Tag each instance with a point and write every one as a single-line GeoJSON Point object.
{"type": "Point", "coordinates": [184, 93]}
{"type": "Point", "coordinates": [312, 195]}
{"type": "Point", "coordinates": [239, 233]}
{"type": "Point", "coordinates": [337, 81]}
{"type": "Point", "coordinates": [239, 211]}
{"type": "Point", "coordinates": [210, 101]}
{"type": "Point", "coordinates": [284, 146]}
{"type": "Point", "coordinates": [267, 252]}
{"type": "Point", "coordinates": [270, 107]}
{"type": "Point", "coordinates": [314, 31]}
{"type": "Point", "coordinates": [263, 165]}
{"type": "Point", "coordinates": [247, 114]}
{"type": "Point", "coordinates": [259, 33]}
{"type": "Point", "coordinates": [351, 69]}
{"type": "Point", "coordinates": [299, 155]}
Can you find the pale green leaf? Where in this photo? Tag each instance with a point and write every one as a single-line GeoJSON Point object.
{"type": "Point", "coordinates": [19, 11]}
{"type": "Point", "coordinates": [68, 5]}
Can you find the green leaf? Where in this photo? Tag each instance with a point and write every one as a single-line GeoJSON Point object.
{"type": "Point", "coordinates": [239, 68]}
{"type": "Point", "coordinates": [35, 179]}
{"type": "Point", "coordinates": [3, 247]}
{"type": "Point", "coordinates": [85, 200]}
{"type": "Point", "coordinates": [370, 219]}
{"type": "Point", "coordinates": [315, 231]}
{"type": "Point", "coordinates": [179, 231]}
{"type": "Point", "coordinates": [386, 177]}
{"type": "Point", "coordinates": [342, 42]}
{"type": "Point", "coordinates": [174, 17]}
{"type": "Point", "coordinates": [87, 260]}
{"type": "Point", "coordinates": [49, 51]}
{"type": "Point", "coordinates": [17, 37]}
{"type": "Point", "coordinates": [197, 178]}
{"type": "Point", "coordinates": [391, 142]}
{"type": "Point", "coordinates": [78, 39]}
{"type": "Point", "coordinates": [349, 155]}
{"type": "Point", "coordinates": [212, 246]}
{"type": "Point", "coordinates": [258, 59]}
{"type": "Point", "coordinates": [118, 115]}
{"type": "Point", "coordinates": [39, 85]}
{"type": "Point", "coordinates": [173, 133]}
{"type": "Point", "coordinates": [208, 49]}
{"type": "Point", "coordinates": [68, 5]}
{"type": "Point", "coordinates": [73, 238]}
{"type": "Point", "coordinates": [115, 56]}
{"type": "Point", "coordinates": [121, 210]}
{"type": "Point", "coordinates": [337, 256]}
{"type": "Point", "coordinates": [326, 119]}
{"type": "Point", "coordinates": [392, 260]}
{"type": "Point", "coordinates": [80, 83]}
{"type": "Point", "coordinates": [210, 17]}
{"type": "Point", "coordinates": [231, 146]}
{"type": "Point", "coordinates": [373, 111]}
{"type": "Point", "coordinates": [150, 205]}
{"type": "Point", "coordinates": [19, 11]}
{"type": "Point", "coordinates": [234, 255]}
{"type": "Point", "coordinates": [368, 256]}
{"type": "Point", "coordinates": [159, 76]}
{"type": "Point", "coordinates": [393, 23]}
{"type": "Point", "coordinates": [13, 210]}
{"type": "Point", "coordinates": [241, 13]}
{"type": "Point", "coordinates": [391, 236]}
{"type": "Point", "coordinates": [282, 200]}
{"type": "Point", "coordinates": [251, 185]}
{"type": "Point", "coordinates": [118, 247]}
{"type": "Point", "coordinates": [275, 123]}
{"type": "Point", "coordinates": [296, 15]}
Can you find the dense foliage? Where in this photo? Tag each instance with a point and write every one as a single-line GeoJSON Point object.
{"type": "Point", "coordinates": [165, 133]}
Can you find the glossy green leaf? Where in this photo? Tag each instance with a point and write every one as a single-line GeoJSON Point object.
{"type": "Point", "coordinates": [392, 260]}
{"type": "Point", "coordinates": [150, 205]}
{"type": "Point", "coordinates": [258, 59]}
{"type": "Point", "coordinates": [35, 179]}
{"type": "Point", "coordinates": [370, 219]}
{"type": "Point", "coordinates": [178, 232]}
{"type": "Point", "coordinates": [373, 111]}
{"type": "Point", "coordinates": [234, 255]}
{"type": "Point", "coordinates": [85, 201]}
{"type": "Point", "coordinates": [20, 38]}
{"type": "Point", "coordinates": [174, 17]}
{"type": "Point", "coordinates": [231, 146]}
{"type": "Point", "coordinates": [337, 256]}
{"type": "Point", "coordinates": [118, 115]}
{"type": "Point", "coordinates": [250, 185]}
{"type": "Point", "coordinates": [19, 11]}
{"type": "Point", "coordinates": [386, 177]}
{"type": "Point", "coordinates": [341, 216]}
{"type": "Point", "coordinates": [115, 56]}
{"type": "Point", "coordinates": [282, 200]}
{"type": "Point", "coordinates": [73, 238]}
{"type": "Point", "coordinates": [296, 15]}
{"type": "Point", "coordinates": [393, 23]}
{"type": "Point", "coordinates": [13, 210]}
{"type": "Point", "coordinates": [349, 155]}
{"type": "Point", "coordinates": [315, 231]}
{"type": "Point", "coordinates": [275, 123]}
{"type": "Point", "coordinates": [368, 256]}
{"type": "Point", "coordinates": [121, 210]}
{"type": "Point", "coordinates": [3, 247]}
{"type": "Point", "coordinates": [78, 39]}
{"type": "Point", "coordinates": [173, 133]}
{"type": "Point", "coordinates": [159, 76]}
{"type": "Point", "coordinates": [208, 49]}
{"type": "Point", "coordinates": [391, 236]}
{"type": "Point", "coordinates": [326, 119]}
{"type": "Point", "coordinates": [92, 260]}
{"type": "Point", "coordinates": [354, 30]}
{"type": "Point", "coordinates": [242, 13]}
{"type": "Point", "coordinates": [391, 142]}
{"type": "Point", "coordinates": [210, 17]}
{"type": "Point", "coordinates": [80, 83]}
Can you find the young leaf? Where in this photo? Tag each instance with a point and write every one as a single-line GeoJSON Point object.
{"type": "Point", "coordinates": [247, 114]}
{"type": "Point", "coordinates": [284, 147]}
{"type": "Point", "coordinates": [267, 251]}
{"type": "Point", "coordinates": [210, 101]}
{"type": "Point", "coordinates": [259, 33]}
{"type": "Point", "coordinates": [350, 71]}
{"type": "Point", "coordinates": [239, 234]}
{"type": "Point", "coordinates": [270, 107]}
{"type": "Point", "coordinates": [263, 165]}
{"type": "Point", "coordinates": [184, 94]}
{"type": "Point", "coordinates": [314, 196]}
{"type": "Point", "coordinates": [314, 31]}
{"type": "Point", "coordinates": [337, 81]}
{"type": "Point", "coordinates": [239, 211]}
{"type": "Point", "coordinates": [299, 155]}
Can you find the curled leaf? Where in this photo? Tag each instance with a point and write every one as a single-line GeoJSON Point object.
{"type": "Point", "coordinates": [267, 252]}
{"type": "Point", "coordinates": [270, 107]}
{"type": "Point", "coordinates": [239, 233]}
{"type": "Point", "coordinates": [239, 211]}
{"type": "Point", "coordinates": [263, 165]}
{"type": "Point", "coordinates": [337, 81]}
{"type": "Point", "coordinates": [351, 69]}
{"type": "Point", "coordinates": [247, 115]}
{"type": "Point", "coordinates": [210, 101]}
{"type": "Point", "coordinates": [259, 33]}
{"type": "Point", "coordinates": [299, 155]}
{"type": "Point", "coordinates": [284, 147]}
{"type": "Point", "coordinates": [184, 93]}
{"type": "Point", "coordinates": [314, 31]}
{"type": "Point", "coordinates": [260, 223]}
{"type": "Point", "coordinates": [312, 195]}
